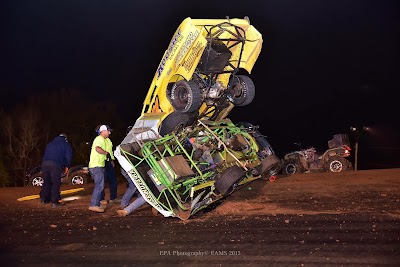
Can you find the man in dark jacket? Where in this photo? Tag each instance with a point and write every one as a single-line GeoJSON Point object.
{"type": "Point", "coordinates": [56, 158]}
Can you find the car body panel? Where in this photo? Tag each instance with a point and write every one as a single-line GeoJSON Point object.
{"type": "Point", "coordinates": [184, 53]}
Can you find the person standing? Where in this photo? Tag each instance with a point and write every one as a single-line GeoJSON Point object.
{"type": "Point", "coordinates": [98, 157]}
{"type": "Point", "coordinates": [110, 176]}
{"type": "Point", "coordinates": [56, 158]}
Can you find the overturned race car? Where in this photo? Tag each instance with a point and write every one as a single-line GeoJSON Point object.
{"type": "Point", "coordinates": [184, 172]}
{"type": "Point", "coordinates": [183, 153]}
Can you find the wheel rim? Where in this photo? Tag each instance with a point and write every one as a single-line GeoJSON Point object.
{"type": "Point", "coordinates": [336, 166]}
{"type": "Point", "coordinates": [291, 168]}
{"type": "Point", "coordinates": [182, 97]}
{"type": "Point", "coordinates": [37, 181]}
{"type": "Point", "coordinates": [77, 180]}
{"type": "Point", "coordinates": [242, 91]}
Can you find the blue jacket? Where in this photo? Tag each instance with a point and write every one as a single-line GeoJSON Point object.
{"type": "Point", "coordinates": [59, 151]}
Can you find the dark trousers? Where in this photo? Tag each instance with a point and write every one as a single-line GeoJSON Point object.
{"type": "Point", "coordinates": [51, 172]}
{"type": "Point", "coordinates": [111, 179]}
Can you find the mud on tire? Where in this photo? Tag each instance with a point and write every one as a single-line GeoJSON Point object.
{"type": "Point", "coordinates": [292, 166]}
{"type": "Point", "coordinates": [337, 164]}
{"type": "Point", "coordinates": [270, 165]}
{"type": "Point", "coordinates": [229, 179]}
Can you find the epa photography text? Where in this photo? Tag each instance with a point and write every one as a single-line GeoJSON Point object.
{"type": "Point", "coordinates": [199, 253]}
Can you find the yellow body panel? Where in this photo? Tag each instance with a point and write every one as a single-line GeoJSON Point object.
{"type": "Point", "coordinates": [184, 52]}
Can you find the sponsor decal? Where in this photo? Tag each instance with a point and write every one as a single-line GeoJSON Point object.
{"type": "Point", "coordinates": [143, 189]}
{"type": "Point", "coordinates": [172, 45]}
{"type": "Point", "coordinates": [188, 64]}
{"type": "Point", "coordinates": [188, 43]}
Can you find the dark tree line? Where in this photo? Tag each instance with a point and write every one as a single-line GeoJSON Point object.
{"type": "Point", "coordinates": [30, 125]}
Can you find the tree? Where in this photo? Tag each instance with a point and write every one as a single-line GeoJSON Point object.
{"type": "Point", "coordinates": [4, 176]}
{"type": "Point", "coordinates": [21, 131]}
{"type": "Point", "coordinates": [66, 110]}
{"type": "Point", "coordinates": [29, 126]}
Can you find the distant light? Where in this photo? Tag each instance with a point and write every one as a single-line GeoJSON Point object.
{"type": "Point", "coordinates": [364, 128]}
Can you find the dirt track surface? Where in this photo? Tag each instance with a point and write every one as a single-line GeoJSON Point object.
{"type": "Point", "coordinates": [314, 219]}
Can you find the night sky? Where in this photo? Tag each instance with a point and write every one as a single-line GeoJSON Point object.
{"type": "Point", "coordinates": [324, 66]}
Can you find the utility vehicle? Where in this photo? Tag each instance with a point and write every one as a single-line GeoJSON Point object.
{"type": "Point", "coordinates": [334, 159]}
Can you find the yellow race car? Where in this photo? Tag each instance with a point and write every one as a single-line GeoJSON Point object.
{"type": "Point", "coordinates": [183, 153]}
{"type": "Point", "coordinates": [201, 75]}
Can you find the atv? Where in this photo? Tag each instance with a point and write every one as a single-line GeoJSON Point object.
{"type": "Point", "coordinates": [333, 160]}
{"type": "Point", "coordinates": [187, 170]}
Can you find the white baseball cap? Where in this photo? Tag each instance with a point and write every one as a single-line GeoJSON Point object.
{"type": "Point", "coordinates": [104, 128]}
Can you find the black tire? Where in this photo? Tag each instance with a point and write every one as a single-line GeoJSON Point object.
{"type": "Point", "coordinates": [78, 178]}
{"type": "Point", "coordinates": [292, 166]}
{"type": "Point", "coordinates": [175, 121]}
{"type": "Point", "coordinates": [36, 180]}
{"type": "Point", "coordinates": [270, 166]}
{"type": "Point", "coordinates": [336, 164]}
{"type": "Point", "coordinates": [242, 91]}
{"type": "Point", "coordinates": [185, 96]}
{"type": "Point", "coordinates": [229, 179]}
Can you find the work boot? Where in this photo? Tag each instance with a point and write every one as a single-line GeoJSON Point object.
{"type": "Point", "coordinates": [122, 213]}
{"type": "Point", "coordinates": [96, 209]}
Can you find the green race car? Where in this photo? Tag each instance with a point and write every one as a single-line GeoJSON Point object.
{"type": "Point", "coordinates": [185, 171]}
{"type": "Point", "coordinates": [183, 153]}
